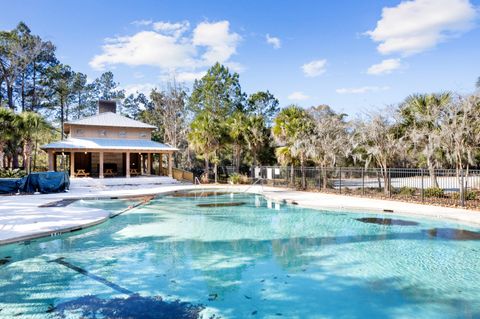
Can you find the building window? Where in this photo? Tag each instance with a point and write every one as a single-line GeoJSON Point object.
{"type": "Point", "coordinates": [79, 132]}
{"type": "Point", "coordinates": [143, 135]}
{"type": "Point", "coordinates": [122, 134]}
{"type": "Point", "coordinates": [102, 133]}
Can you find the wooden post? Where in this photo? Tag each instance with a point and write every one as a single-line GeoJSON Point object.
{"type": "Point", "coordinates": [72, 164]}
{"type": "Point", "coordinates": [100, 165]}
{"type": "Point", "coordinates": [51, 157]}
{"type": "Point", "coordinates": [149, 164]}
{"type": "Point", "coordinates": [127, 164]}
{"type": "Point", "coordinates": [160, 164]}
{"type": "Point", "coordinates": [170, 164]}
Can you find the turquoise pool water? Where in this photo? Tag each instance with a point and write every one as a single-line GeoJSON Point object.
{"type": "Point", "coordinates": [175, 259]}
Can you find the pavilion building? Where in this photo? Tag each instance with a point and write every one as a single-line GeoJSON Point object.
{"type": "Point", "coordinates": [108, 145]}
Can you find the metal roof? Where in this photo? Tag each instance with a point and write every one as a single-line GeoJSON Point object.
{"type": "Point", "coordinates": [110, 119]}
{"type": "Point", "coordinates": [109, 144]}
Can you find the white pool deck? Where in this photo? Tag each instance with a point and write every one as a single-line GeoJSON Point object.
{"type": "Point", "coordinates": [21, 218]}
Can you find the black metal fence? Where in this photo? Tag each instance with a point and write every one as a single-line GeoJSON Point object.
{"type": "Point", "coordinates": [440, 186]}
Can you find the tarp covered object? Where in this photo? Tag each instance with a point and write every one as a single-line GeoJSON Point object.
{"type": "Point", "coordinates": [46, 182]}
{"type": "Point", "coordinates": [9, 185]}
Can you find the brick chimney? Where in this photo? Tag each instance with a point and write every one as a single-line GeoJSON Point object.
{"type": "Point", "coordinates": [107, 106]}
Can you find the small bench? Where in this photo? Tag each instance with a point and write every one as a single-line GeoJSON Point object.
{"type": "Point", "coordinates": [134, 172]}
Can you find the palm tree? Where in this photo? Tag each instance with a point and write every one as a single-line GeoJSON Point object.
{"type": "Point", "coordinates": [30, 125]}
{"type": "Point", "coordinates": [420, 119]}
{"type": "Point", "coordinates": [205, 137]}
{"type": "Point", "coordinates": [303, 148]}
{"type": "Point", "coordinates": [6, 119]}
{"type": "Point", "coordinates": [237, 126]}
{"type": "Point", "coordinates": [255, 135]}
{"type": "Point", "coordinates": [293, 128]}
{"type": "Point", "coordinates": [285, 157]}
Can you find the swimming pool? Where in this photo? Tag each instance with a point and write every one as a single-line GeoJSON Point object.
{"type": "Point", "coordinates": [236, 255]}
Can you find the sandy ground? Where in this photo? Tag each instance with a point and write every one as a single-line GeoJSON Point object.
{"type": "Point", "coordinates": [21, 218]}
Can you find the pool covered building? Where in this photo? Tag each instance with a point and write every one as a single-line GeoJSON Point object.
{"type": "Point", "coordinates": [107, 145]}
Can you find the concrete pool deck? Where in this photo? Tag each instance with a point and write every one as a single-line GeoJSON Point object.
{"type": "Point", "coordinates": [21, 218]}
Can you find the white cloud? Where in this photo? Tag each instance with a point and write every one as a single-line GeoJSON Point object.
{"type": "Point", "coordinates": [175, 29]}
{"type": "Point", "coordinates": [189, 76]}
{"type": "Point", "coordinates": [142, 22]}
{"type": "Point", "coordinates": [298, 96]}
{"type": "Point", "coordinates": [314, 68]}
{"type": "Point", "coordinates": [182, 76]}
{"type": "Point", "coordinates": [144, 88]}
{"type": "Point", "coordinates": [145, 48]}
{"type": "Point", "coordinates": [362, 90]}
{"type": "Point", "coordinates": [415, 26]}
{"type": "Point", "coordinates": [220, 43]}
{"type": "Point", "coordinates": [273, 41]}
{"type": "Point", "coordinates": [169, 47]}
{"type": "Point", "coordinates": [385, 67]}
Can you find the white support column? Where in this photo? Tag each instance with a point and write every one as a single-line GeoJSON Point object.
{"type": "Point", "coordinates": [72, 164]}
{"type": "Point", "coordinates": [149, 164]}
{"type": "Point", "coordinates": [160, 163]}
{"type": "Point", "coordinates": [100, 165]}
{"type": "Point", "coordinates": [127, 164]}
{"type": "Point", "coordinates": [170, 164]}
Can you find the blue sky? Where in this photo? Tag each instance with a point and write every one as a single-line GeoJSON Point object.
{"type": "Point", "coordinates": [353, 55]}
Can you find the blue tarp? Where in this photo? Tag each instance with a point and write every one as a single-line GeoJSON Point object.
{"type": "Point", "coordinates": [9, 185]}
{"type": "Point", "coordinates": [46, 182]}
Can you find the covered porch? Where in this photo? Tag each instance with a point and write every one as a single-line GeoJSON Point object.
{"type": "Point", "coordinates": [103, 164]}
{"type": "Point", "coordinates": [99, 158]}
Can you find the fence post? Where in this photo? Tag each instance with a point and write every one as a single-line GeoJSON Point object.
{"type": "Point", "coordinates": [340, 170]}
{"type": "Point", "coordinates": [363, 181]}
{"type": "Point", "coordinates": [462, 189]}
{"type": "Point", "coordinates": [423, 190]}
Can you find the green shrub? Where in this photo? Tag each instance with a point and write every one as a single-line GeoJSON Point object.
{"type": "Point", "coordinates": [236, 178]}
{"type": "Point", "coordinates": [12, 173]}
{"type": "Point", "coordinates": [469, 195]}
{"type": "Point", "coordinates": [434, 192]}
{"type": "Point", "coordinates": [405, 191]}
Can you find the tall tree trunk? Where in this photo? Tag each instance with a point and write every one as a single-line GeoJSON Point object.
{"type": "Point", "coordinates": [15, 158]}
{"type": "Point", "coordinates": [207, 166]}
{"type": "Point", "coordinates": [26, 157]}
{"type": "Point", "coordinates": [324, 176]}
{"type": "Point", "coordinates": [2, 156]}
{"type": "Point", "coordinates": [302, 165]}
{"type": "Point", "coordinates": [1, 95]}
{"type": "Point", "coordinates": [79, 110]}
{"type": "Point", "coordinates": [215, 168]}
{"type": "Point", "coordinates": [34, 87]}
{"type": "Point", "coordinates": [386, 180]}
{"type": "Point", "coordinates": [23, 93]}
{"type": "Point", "coordinates": [61, 117]}
{"type": "Point", "coordinates": [431, 171]}
{"type": "Point", "coordinates": [237, 158]}
{"type": "Point", "coordinates": [35, 151]}
{"type": "Point", "coordinates": [292, 173]}
{"type": "Point", "coordinates": [10, 96]}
